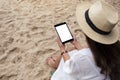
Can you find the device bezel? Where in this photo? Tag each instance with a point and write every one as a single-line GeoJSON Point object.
{"type": "Point", "coordinates": [57, 25]}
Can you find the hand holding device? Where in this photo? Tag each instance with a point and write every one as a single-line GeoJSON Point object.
{"type": "Point", "coordinates": [62, 46]}
{"type": "Point", "coordinates": [76, 44]}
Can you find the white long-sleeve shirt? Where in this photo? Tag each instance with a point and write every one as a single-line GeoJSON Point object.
{"type": "Point", "coordinates": [80, 66]}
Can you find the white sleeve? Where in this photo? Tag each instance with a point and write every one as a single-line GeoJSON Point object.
{"type": "Point", "coordinates": [70, 66]}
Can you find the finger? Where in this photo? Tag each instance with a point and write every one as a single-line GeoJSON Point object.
{"type": "Point", "coordinates": [59, 42]}
{"type": "Point", "coordinates": [52, 61]}
{"type": "Point", "coordinates": [74, 38]}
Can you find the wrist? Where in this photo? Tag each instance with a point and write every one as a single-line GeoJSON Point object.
{"type": "Point", "coordinates": [63, 52]}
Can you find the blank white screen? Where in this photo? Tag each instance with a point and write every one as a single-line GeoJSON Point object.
{"type": "Point", "coordinates": [64, 32]}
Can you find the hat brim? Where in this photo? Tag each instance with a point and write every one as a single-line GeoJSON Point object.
{"type": "Point", "coordinates": [104, 39]}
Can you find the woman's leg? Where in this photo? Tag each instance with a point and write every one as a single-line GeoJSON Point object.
{"type": "Point", "coordinates": [54, 61]}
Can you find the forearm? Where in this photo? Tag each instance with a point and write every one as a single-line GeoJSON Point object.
{"type": "Point", "coordinates": [78, 46]}
{"type": "Point", "coordinates": [65, 57]}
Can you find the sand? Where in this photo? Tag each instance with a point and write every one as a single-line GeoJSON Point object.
{"type": "Point", "coordinates": [27, 35]}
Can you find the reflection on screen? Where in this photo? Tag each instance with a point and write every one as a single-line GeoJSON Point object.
{"type": "Point", "coordinates": [64, 33]}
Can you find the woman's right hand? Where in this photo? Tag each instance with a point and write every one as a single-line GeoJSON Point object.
{"type": "Point", "coordinates": [63, 51]}
{"type": "Point", "coordinates": [62, 46]}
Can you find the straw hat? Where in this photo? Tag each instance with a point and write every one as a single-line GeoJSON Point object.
{"type": "Point", "coordinates": [98, 21]}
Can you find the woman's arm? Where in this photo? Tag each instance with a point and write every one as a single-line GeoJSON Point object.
{"type": "Point", "coordinates": [70, 65]}
{"type": "Point", "coordinates": [64, 53]}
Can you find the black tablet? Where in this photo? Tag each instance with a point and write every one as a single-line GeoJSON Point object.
{"type": "Point", "coordinates": [63, 32]}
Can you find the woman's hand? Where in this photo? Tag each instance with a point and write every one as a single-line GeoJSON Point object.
{"type": "Point", "coordinates": [76, 44]}
{"type": "Point", "coordinates": [62, 46]}
{"type": "Point", "coordinates": [65, 55]}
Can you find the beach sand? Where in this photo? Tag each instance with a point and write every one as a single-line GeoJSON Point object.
{"type": "Point", "coordinates": [28, 37]}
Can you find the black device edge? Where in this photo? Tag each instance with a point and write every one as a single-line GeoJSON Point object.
{"type": "Point", "coordinates": [69, 30]}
